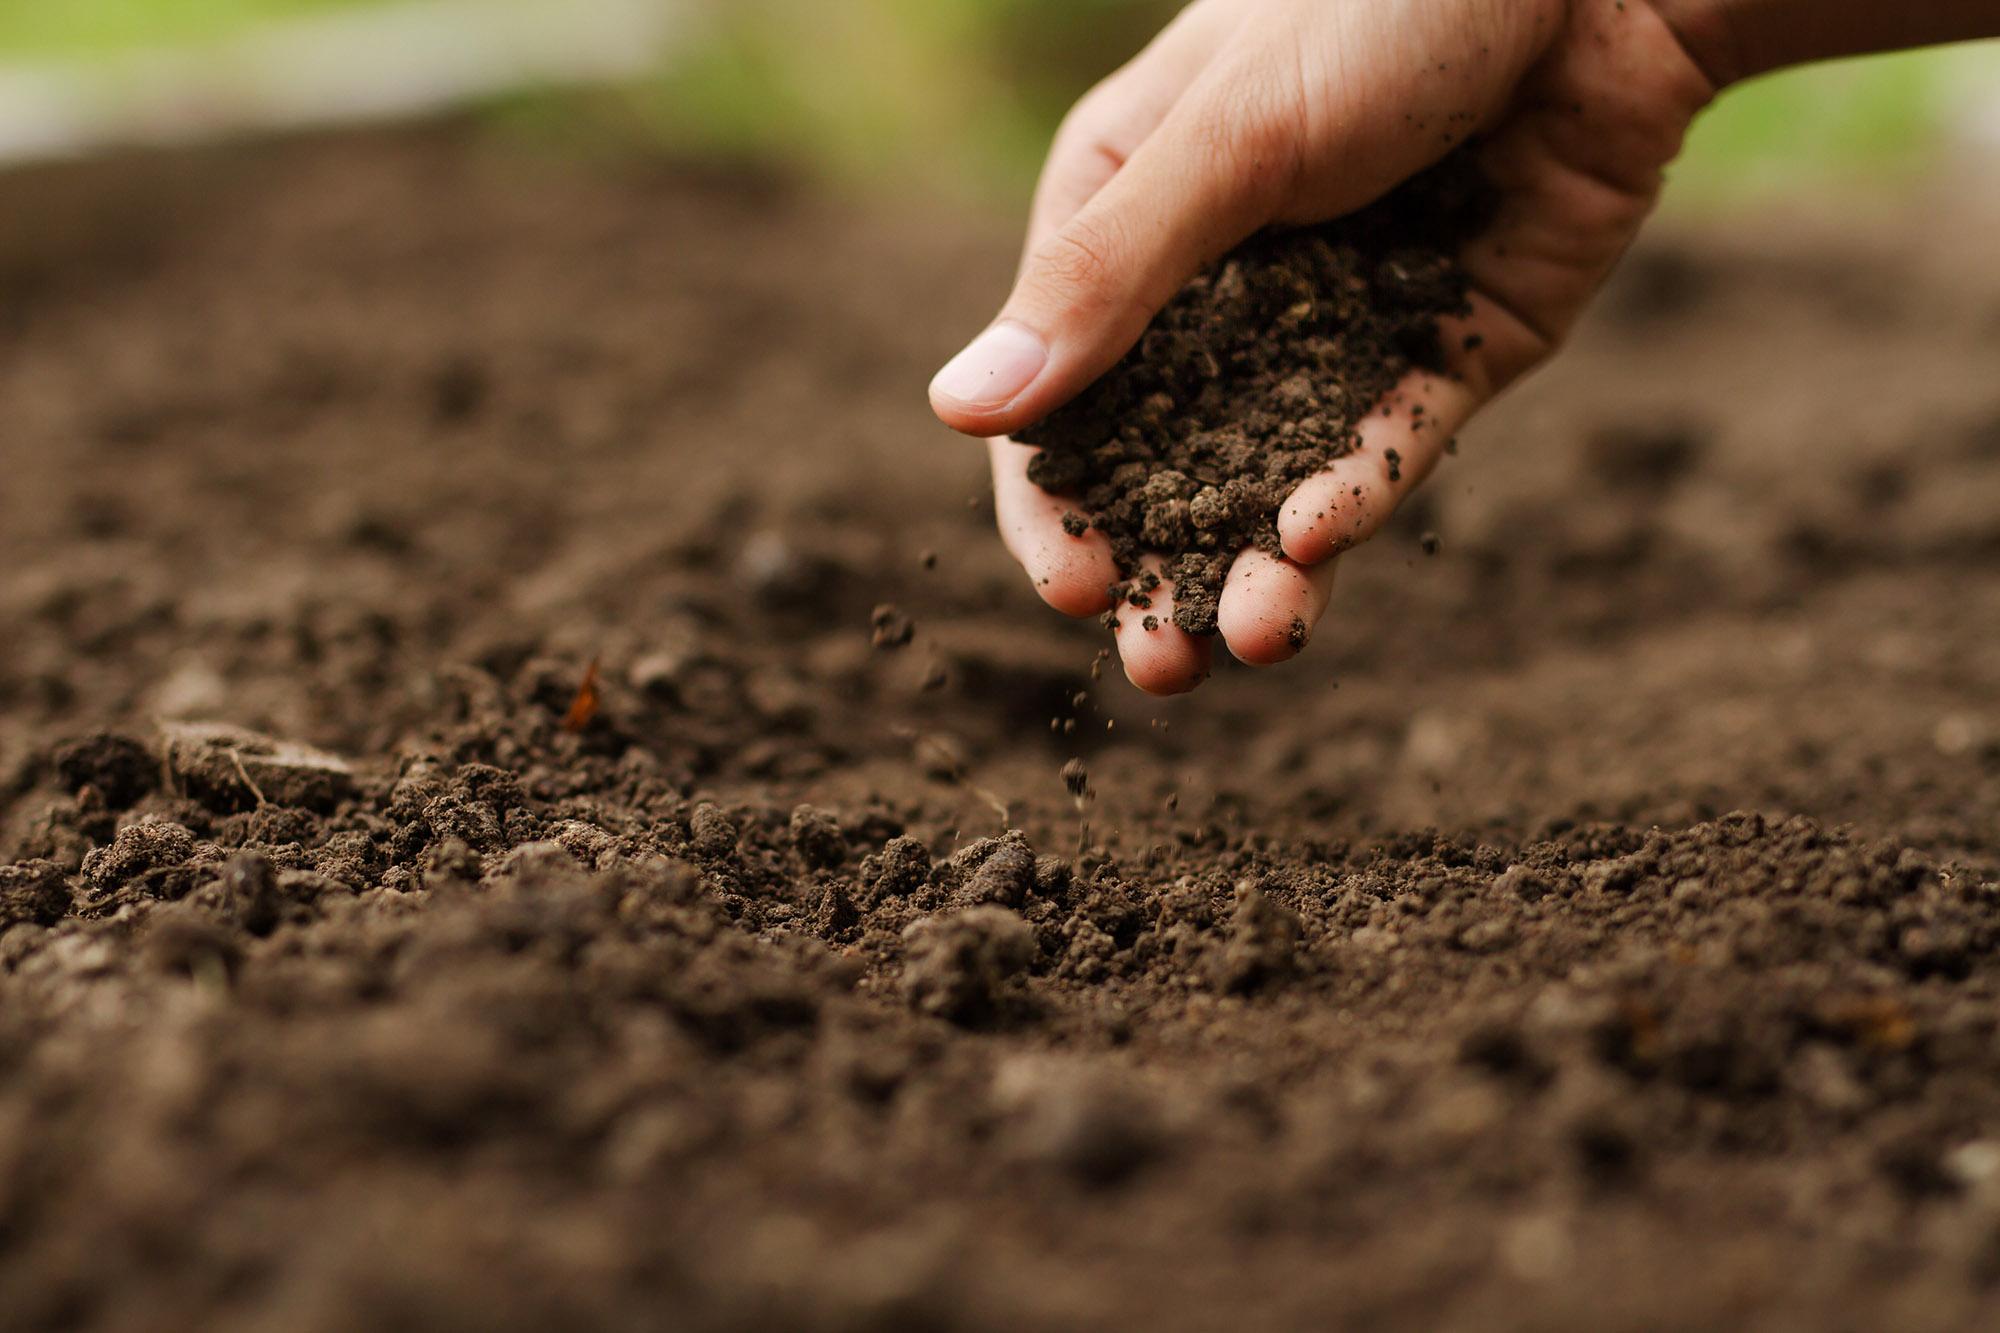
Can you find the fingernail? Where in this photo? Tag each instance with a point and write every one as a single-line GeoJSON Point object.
{"type": "Point", "coordinates": [993, 371]}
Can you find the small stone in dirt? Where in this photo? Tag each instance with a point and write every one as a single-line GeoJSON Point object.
{"type": "Point", "coordinates": [1263, 943]}
{"type": "Point", "coordinates": [960, 964]}
{"type": "Point", "coordinates": [1076, 777]}
{"type": "Point", "coordinates": [230, 768]}
{"type": "Point", "coordinates": [817, 837]}
{"type": "Point", "coordinates": [33, 893]}
{"type": "Point", "coordinates": [892, 629]}
{"type": "Point", "coordinates": [1431, 542]}
{"type": "Point", "coordinates": [928, 559]}
{"type": "Point", "coordinates": [993, 870]}
{"type": "Point", "coordinates": [119, 767]}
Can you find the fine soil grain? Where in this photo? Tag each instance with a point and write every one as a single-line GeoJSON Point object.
{"type": "Point", "coordinates": [465, 862]}
{"type": "Point", "coordinates": [1253, 379]}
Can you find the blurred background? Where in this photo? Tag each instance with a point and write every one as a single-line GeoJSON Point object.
{"type": "Point", "coordinates": [960, 95]}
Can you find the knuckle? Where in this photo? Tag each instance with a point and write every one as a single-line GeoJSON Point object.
{"type": "Point", "coordinates": [1089, 118]}
{"type": "Point", "coordinates": [1257, 136]}
{"type": "Point", "coordinates": [1079, 264]}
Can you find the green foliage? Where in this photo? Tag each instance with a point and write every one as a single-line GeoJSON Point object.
{"type": "Point", "coordinates": [1854, 121]}
{"type": "Point", "coordinates": [52, 28]}
{"type": "Point", "coordinates": [964, 94]}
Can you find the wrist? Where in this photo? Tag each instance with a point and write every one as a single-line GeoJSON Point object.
{"type": "Point", "coordinates": [1733, 40]}
{"type": "Point", "coordinates": [1708, 31]}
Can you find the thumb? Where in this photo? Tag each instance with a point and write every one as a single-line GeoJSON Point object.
{"type": "Point", "coordinates": [1202, 182]}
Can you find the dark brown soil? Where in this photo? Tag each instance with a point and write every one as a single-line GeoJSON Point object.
{"type": "Point", "coordinates": [1253, 379]}
{"type": "Point", "coordinates": [1614, 948]}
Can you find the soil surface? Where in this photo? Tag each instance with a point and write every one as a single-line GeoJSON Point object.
{"type": "Point", "coordinates": [469, 864]}
{"type": "Point", "coordinates": [1253, 379]}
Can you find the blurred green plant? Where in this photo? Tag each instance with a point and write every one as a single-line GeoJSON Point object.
{"type": "Point", "coordinates": [964, 94]}
{"type": "Point", "coordinates": [68, 28]}
{"type": "Point", "coordinates": [1864, 123]}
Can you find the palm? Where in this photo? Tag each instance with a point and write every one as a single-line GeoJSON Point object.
{"type": "Point", "coordinates": [1576, 121]}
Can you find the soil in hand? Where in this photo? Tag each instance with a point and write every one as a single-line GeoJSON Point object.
{"type": "Point", "coordinates": [1253, 379]}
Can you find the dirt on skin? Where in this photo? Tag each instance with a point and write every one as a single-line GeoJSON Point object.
{"type": "Point", "coordinates": [1253, 379]}
{"type": "Point", "coordinates": [1597, 931]}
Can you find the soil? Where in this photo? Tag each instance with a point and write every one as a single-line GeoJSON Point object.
{"type": "Point", "coordinates": [1252, 379]}
{"type": "Point", "coordinates": [467, 863]}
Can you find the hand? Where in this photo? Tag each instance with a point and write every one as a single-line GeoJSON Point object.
{"type": "Point", "coordinates": [1249, 113]}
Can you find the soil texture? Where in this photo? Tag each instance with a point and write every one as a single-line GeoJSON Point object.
{"type": "Point", "coordinates": [531, 797]}
{"type": "Point", "coordinates": [1253, 379]}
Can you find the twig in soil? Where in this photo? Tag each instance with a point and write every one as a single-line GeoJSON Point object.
{"type": "Point", "coordinates": [236, 759]}
{"type": "Point", "coordinates": [584, 707]}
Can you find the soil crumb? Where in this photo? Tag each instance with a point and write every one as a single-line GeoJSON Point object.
{"type": "Point", "coordinates": [891, 628]}
{"type": "Point", "coordinates": [1253, 379]}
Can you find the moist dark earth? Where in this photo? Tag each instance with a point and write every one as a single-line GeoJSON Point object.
{"type": "Point", "coordinates": [1251, 380]}
{"type": "Point", "coordinates": [1594, 930]}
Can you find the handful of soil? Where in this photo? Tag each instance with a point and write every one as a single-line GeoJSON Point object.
{"type": "Point", "coordinates": [1253, 379]}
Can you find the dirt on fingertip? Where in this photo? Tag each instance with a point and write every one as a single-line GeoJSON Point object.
{"type": "Point", "coordinates": [1254, 378]}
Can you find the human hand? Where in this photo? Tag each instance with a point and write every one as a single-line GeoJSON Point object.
{"type": "Point", "coordinates": [1249, 113]}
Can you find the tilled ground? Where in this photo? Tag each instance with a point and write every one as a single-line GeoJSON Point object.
{"type": "Point", "coordinates": [1595, 929]}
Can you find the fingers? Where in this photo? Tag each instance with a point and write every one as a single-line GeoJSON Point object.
{"type": "Point", "coordinates": [1159, 656]}
{"type": "Point", "coordinates": [1212, 173]}
{"type": "Point", "coordinates": [1269, 606]}
{"type": "Point", "coordinates": [1401, 441]}
{"type": "Point", "coordinates": [1105, 128]}
{"type": "Point", "coordinates": [1073, 574]}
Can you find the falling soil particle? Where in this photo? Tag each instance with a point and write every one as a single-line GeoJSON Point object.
{"type": "Point", "coordinates": [890, 628]}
